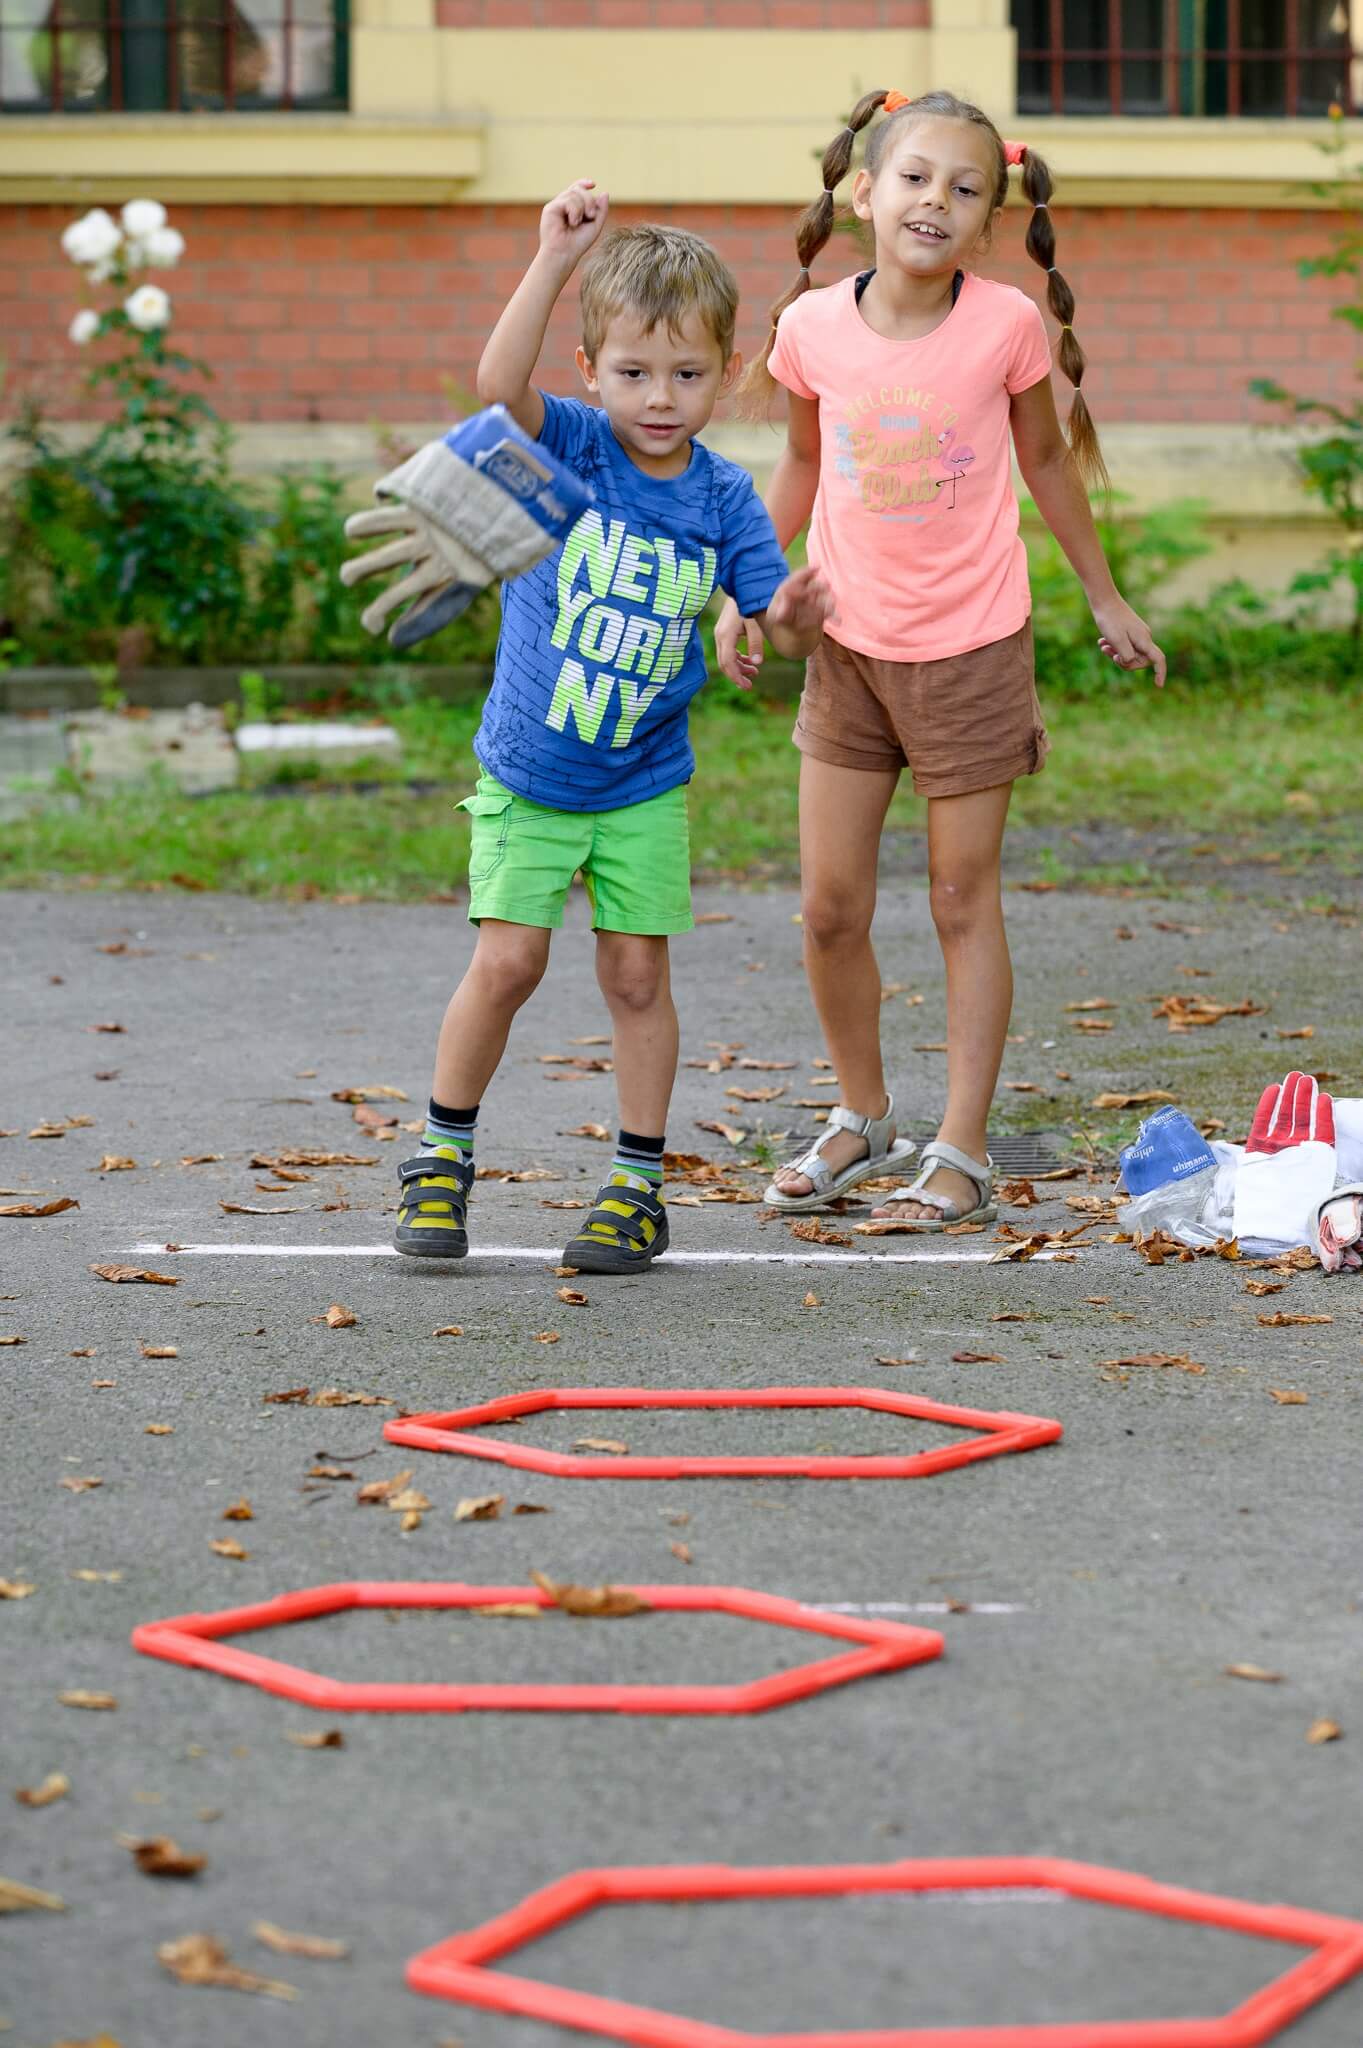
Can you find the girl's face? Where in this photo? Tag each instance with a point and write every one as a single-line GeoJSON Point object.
{"type": "Point", "coordinates": [932, 198]}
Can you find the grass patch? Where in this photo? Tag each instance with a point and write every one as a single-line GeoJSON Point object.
{"type": "Point", "coordinates": [1195, 768]}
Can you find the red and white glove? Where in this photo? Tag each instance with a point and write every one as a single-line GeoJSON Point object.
{"type": "Point", "coordinates": [1339, 1231]}
{"type": "Point", "coordinates": [1288, 1169]}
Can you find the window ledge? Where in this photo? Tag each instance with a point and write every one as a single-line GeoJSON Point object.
{"type": "Point", "coordinates": [79, 158]}
{"type": "Point", "coordinates": [1183, 161]}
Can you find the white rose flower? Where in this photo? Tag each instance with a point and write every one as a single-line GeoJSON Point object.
{"type": "Point", "coordinates": [142, 217]}
{"type": "Point", "coordinates": [148, 308]}
{"type": "Point", "coordinates": [84, 327]}
{"type": "Point", "coordinates": [162, 249]}
{"type": "Point", "coordinates": [93, 238]}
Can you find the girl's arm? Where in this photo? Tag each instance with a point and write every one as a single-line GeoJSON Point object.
{"type": "Point", "coordinates": [1058, 492]}
{"type": "Point", "coordinates": [569, 225]}
{"type": "Point", "coordinates": [790, 500]}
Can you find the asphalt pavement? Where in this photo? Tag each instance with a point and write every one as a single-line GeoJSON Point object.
{"type": "Point", "coordinates": [1091, 1594]}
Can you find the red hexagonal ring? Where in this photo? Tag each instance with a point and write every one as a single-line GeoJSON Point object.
{"type": "Point", "coordinates": [458, 1968]}
{"type": "Point", "coordinates": [197, 1640]}
{"type": "Point", "coordinates": [996, 1433]}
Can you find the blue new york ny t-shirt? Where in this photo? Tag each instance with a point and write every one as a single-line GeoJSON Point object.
{"type": "Point", "coordinates": [599, 654]}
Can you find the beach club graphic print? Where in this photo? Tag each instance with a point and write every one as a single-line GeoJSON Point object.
{"type": "Point", "coordinates": [901, 449]}
{"type": "Point", "coordinates": [621, 656]}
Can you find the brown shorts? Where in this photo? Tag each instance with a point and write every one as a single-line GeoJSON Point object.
{"type": "Point", "coordinates": [963, 724]}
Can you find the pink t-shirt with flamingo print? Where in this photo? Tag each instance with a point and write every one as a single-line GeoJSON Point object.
{"type": "Point", "coordinates": [915, 523]}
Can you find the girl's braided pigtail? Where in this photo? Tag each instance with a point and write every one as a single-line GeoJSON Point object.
{"type": "Point", "coordinates": [757, 386]}
{"type": "Point", "coordinates": [1083, 435]}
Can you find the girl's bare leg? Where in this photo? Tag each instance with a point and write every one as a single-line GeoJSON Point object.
{"type": "Point", "coordinates": [965, 840]}
{"type": "Point", "coordinates": [842, 812]}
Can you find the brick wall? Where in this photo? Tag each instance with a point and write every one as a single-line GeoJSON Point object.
{"type": "Point", "coordinates": [839, 14]}
{"type": "Point", "coordinates": [358, 313]}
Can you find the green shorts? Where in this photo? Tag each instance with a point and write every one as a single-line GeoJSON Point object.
{"type": "Point", "coordinates": [635, 861]}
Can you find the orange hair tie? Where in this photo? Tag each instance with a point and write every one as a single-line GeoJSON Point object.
{"type": "Point", "coordinates": [893, 101]}
{"type": "Point", "coordinates": [1014, 152]}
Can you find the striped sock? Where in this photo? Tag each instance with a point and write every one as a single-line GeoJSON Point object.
{"type": "Point", "coordinates": [450, 1131]}
{"type": "Point", "coordinates": [638, 1163]}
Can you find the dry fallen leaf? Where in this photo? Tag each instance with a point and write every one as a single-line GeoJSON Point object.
{"type": "Point", "coordinates": [1091, 1024]}
{"type": "Point", "coordinates": [317, 1948]}
{"type": "Point", "coordinates": [682, 1552]}
{"type": "Point", "coordinates": [258, 1209]}
{"type": "Point", "coordinates": [597, 1131]}
{"type": "Point", "coordinates": [1281, 1320]}
{"type": "Point", "coordinates": [338, 1318]}
{"type": "Point", "coordinates": [377, 1491]}
{"type": "Point", "coordinates": [73, 1484]}
{"type": "Point", "coordinates": [1307, 1031]}
{"type": "Point", "coordinates": [159, 1351]}
{"type": "Point", "coordinates": [509, 1610]}
{"type": "Point", "coordinates": [127, 1273]}
{"type": "Point", "coordinates": [55, 1786]}
{"type": "Point", "coordinates": [811, 1300]}
{"type": "Point", "coordinates": [1186, 1013]}
{"type": "Point", "coordinates": [610, 1444]}
{"type": "Point", "coordinates": [201, 1159]}
{"type": "Point", "coordinates": [159, 1429]}
{"type": "Point", "coordinates": [977, 1358]}
{"type": "Point", "coordinates": [334, 1397]}
{"type": "Point", "coordinates": [1178, 1360]}
{"type": "Point", "coordinates": [113, 1162]}
{"type": "Point", "coordinates": [98, 1578]}
{"type": "Point", "coordinates": [713, 917]}
{"type": "Point", "coordinates": [159, 1856]}
{"type": "Point", "coordinates": [379, 1093]}
{"type": "Point", "coordinates": [15, 1589]}
{"type": "Point", "coordinates": [296, 1155]}
{"type": "Point", "coordinates": [240, 1511]}
{"type": "Point", "coordinates": [731, 1133]}
{"type": "Point", "coordinates": [755, 1094]}
{"type": "Point", "coordinates": [199, 1959]}
{"type": "Point", "coordinates": [1264, 1286]}
{"type": "Point", "coordinates": [1286, 1397]}
{"type": "Point", "coordinates": [449, 1330]}
{"type": "Point", "coordinates": [24, 1898]}
{"type": "Point", "coordinates": [97, 1702]}
{"type": "Point", "coordinates": [13, 1340]}
{"type": "Point", "coordinates": [909, 1358]}
{"type": "Point", "coordinates": [572, 1296]}
{"type": "Point", "coordinates": [1324, 1731]}
{"type": "Point", "coordinates": [546, 1337]}
{"type": "Point", "coordinates": [813, 1230]}
{"type": "Point", "coordinates": [322, 1738]}
{"type": "Point", "coordinates": [483, 1507]}
{"type": "Point", "coordinates": [567, 1202]}
{"type": "Point", "coordinates": [1092, 1003]}
{"type": "Point", "coordinates": [53, 1208]}
{"type": "Point", "coordinates": [530, 1507]}
{"type": "Point", "coordinates": [227, 1546]}
{"type": "Point", "coordinates": [590, 1603]}
{"type": "Point", "coordinates": [1256, 1671]}
{"type": "Point", "coordinates": [1132, 1101]}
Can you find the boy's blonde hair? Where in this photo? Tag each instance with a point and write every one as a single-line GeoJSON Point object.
{"type": "Point", "coordinates": [660, 274]}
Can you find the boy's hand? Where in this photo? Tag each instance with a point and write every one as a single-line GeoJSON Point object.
{"type": "Point", "coordinates": [574, 220]}
{"type": "Point", "coordinates": [738, 646]}
{"type": "Point", "coordinates": [1124, 636]}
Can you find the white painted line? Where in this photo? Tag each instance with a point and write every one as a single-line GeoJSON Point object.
{"type": "Point", "coordinates": [913, 1607]}
{"type": "Point", "coordinates": [512, 1252]}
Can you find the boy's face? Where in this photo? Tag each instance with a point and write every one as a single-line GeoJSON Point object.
{"type": "Point", "coordinates": [658, 389]}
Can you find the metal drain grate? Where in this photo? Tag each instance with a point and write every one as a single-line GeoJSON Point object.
{"type": "Point", "coordinates": [1022, 1152]}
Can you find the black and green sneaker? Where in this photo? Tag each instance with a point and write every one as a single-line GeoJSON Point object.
{"type": "Point", "coordinates": [433, 1203]}
{"type": "Point", "coordinates": [625, 1231]}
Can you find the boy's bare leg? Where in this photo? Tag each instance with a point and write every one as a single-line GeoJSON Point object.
{"type": "Point", "coordinates": [842, 813]}
{"type": "Point", "coordinates": [635, 978]}
{"type": "Point", "coordinates": [965, 839]}
{"type": "Point", "coordinates": [507, 965]}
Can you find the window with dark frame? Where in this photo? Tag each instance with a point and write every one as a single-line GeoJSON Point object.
{"type": "Point", "coordinates": [1261, 59]}
{"type": "Point", "coordinates": [173, 56]}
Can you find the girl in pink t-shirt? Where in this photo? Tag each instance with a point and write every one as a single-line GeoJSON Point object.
{"type": "Point", "coordinates": [903, 388]}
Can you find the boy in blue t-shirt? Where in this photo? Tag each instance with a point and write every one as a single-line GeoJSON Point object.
{"type": "Point", "coordinates": [584, 741]}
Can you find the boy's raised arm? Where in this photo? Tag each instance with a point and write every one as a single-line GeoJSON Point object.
{"type": "Point", "coordinates": [569, 225]}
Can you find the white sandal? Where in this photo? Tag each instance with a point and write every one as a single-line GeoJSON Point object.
{"type": "Point", "coordinates": [827, 1185]}
{"type": "Point", "coordinates": [939, 1154]}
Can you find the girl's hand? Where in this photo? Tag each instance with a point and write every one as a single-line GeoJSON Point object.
{"type": "Point", "coordinates": [731, 628]}
{"type": "Point", "coordinates": [1124, 636]}
{"type": "Point", "coordinates": [794, 619]}
{"type": "Point", "coordinates": [571, 222]}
